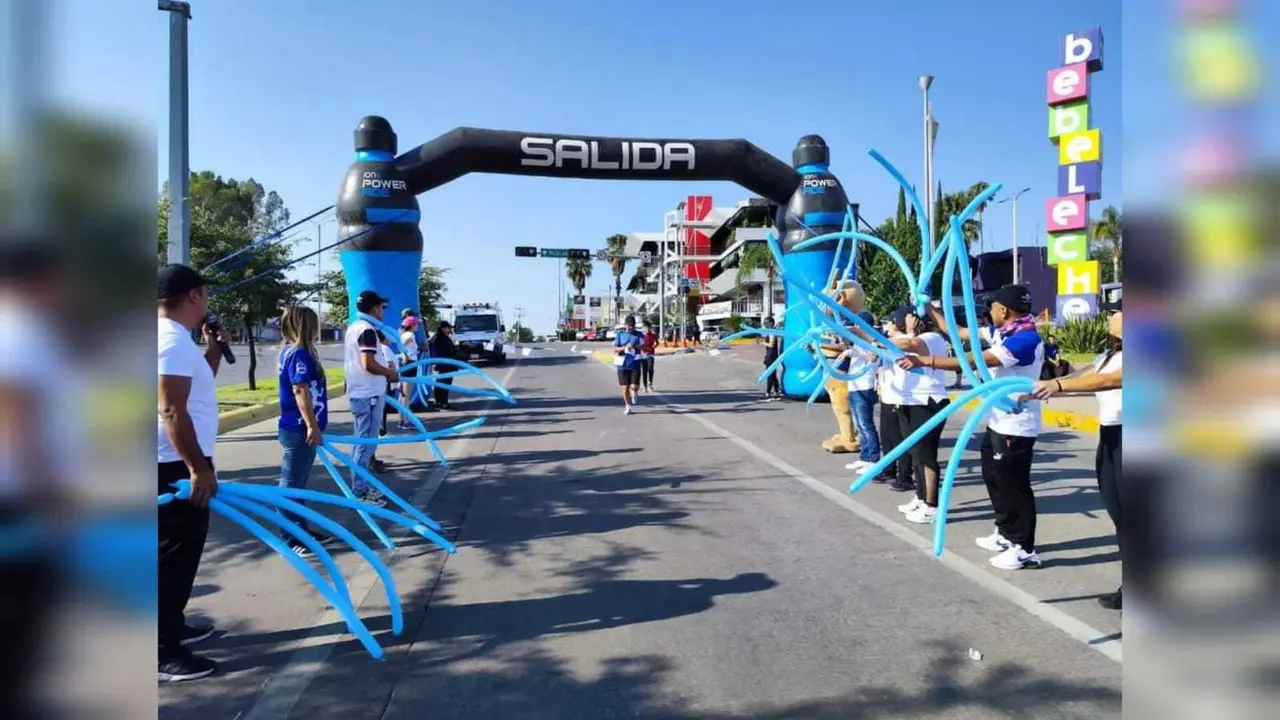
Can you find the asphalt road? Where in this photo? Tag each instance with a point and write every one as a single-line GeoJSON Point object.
{"type": "Point", "coordinates": [699, 559]}
{"type": "Point", "coordinates": [238, 373]}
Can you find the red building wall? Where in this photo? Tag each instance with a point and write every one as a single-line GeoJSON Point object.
{"type": "Point", "coordinates": [697, 242]}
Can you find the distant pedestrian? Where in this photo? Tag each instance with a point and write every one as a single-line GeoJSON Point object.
{"type": "Point", "coordinates": [772, 350]}
{"type": "Point", "coordinates": [648, 353]}
{"type": "Point", "coordinates": [441, 345]}
{"type": "Point", "coordinates": [409, 355]}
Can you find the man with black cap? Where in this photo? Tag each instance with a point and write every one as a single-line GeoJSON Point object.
{"type": "Point", "coordinates": [1016, 350]}
{"type": "Point", "coordinates": [367, 380]}
{"type": "Point", "coordinates": [186, 430]}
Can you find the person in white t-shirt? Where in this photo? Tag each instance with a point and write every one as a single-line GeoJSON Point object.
{"type": "Point", "coordinates": [367, 377]}
{"type": "Point", "coordinates": [410, 354]}
{"type": "Point", "coordinates": [1104, 377]}
{"type": "Point", "coordinates": [1016, 350]}
{"type": "Point", "coordinates": [186, 429]}
{"type": "Point", "coordinates": [864, 366]}
{"type": "Point", "coordinates": [889, 383]}
{"type": "Point", "coordinates": [924, 395]}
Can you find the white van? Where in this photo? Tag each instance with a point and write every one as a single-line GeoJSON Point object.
{"type": "Point", "coordinates": [478, 332]}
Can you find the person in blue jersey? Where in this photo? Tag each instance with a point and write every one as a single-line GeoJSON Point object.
{"type": "Point", "coordinates": [304, 404]}
{"type": "Point", "coordinates": [626, 350]}
{"type": "Point", "coordinates": [1016, 350]}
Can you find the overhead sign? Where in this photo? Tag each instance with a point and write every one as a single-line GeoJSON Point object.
{"type": "Point", "coordinates": [564, 253]}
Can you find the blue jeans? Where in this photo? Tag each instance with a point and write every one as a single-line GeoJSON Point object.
{"type": "Point", "coordinates": [863, 403]}
{"type": "Point", "coordinates": [295, 465]}
{"type": "Point", "coordinates": [368, 417]}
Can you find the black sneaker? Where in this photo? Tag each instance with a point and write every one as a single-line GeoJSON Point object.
{"type": "Point", "coordinates": [1113, 601]}
{"type": "Point", "coordinates": [902, 485]}
{"type": "Point", "coordinates": [192, 634]}
{"type": "Point", "coordinates": [298, 548]}
{"type": "Point", "coordinates": [183, 665]}
{"type": "Point", "coordinates": [377, 466]}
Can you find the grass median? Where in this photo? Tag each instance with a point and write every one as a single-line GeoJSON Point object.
{"type": "Point", "coordinates": [234, 397]}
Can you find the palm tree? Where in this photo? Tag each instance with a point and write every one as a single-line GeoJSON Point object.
{"type": "Point", "coordinates": [617, 244]}
{"type": "Point", "coordinates": [1107, 231]}
{"type": "Point", "coordinates": [757, 256]}
{"type": "Point", "coordinates": [952, 204]}
{"type": "Point", "coordinates": [578, 270]}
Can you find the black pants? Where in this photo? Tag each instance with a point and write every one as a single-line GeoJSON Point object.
{"type": "Point", "coordinates": [924, 454]}
{"type": "Point", "coordinates": [646, 371]}
{"type": "Point", "coordinates": [27, 585]}
{"type": "Point", "coordinates": [891, 436]}
{"type": "Point", "coordinates": [773, 383]}
{"type": "Point", "coordinates": [183, 529]}
{"type": "Point", "coordinates": [1107, 463]}
{"type": "Point", "coordinates": [1006, 470]}
{"type": "Point", "coordinates": [442, 393]}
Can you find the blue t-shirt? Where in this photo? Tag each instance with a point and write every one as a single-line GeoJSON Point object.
{"type": "Point", "coordinates": [632, 340]}
{"type": "Point", "coordinates": [297, 367]}
{"type": "Point", "coordinates": [1050, 351]}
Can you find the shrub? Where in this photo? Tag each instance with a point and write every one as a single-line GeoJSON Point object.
{"type": "Point", "coordinates": [1080, 335]}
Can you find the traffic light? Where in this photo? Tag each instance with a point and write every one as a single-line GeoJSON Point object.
{"type": "Point", "coordinates": [580, 254]}
{"type": "Point", "coordinates": [526, 251]}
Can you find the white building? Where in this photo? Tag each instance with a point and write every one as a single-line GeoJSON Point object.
{"type": "Point", "coordinates": [727, 233]}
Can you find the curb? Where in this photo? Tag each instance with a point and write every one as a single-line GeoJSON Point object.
{"type": "Point", "coordinates": [244, 417]}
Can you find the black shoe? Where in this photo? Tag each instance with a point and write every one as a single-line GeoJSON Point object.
{"type": "Point", "coordinates": [1113, 601]}
{"type": "Point", "coordinates": [377, 466]}
{"type": "Point", "coordinates": [192, 634]}
{"type": "Point", "coordinates": [182, 665]}
{"type": "Point", "coordinates": [902, 485]}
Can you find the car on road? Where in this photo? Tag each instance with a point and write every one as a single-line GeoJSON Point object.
{"type": "Point", "coordinates": [478, 330]}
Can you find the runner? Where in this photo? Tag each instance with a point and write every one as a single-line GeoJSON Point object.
{"type": "Point", "coordinates": [1016, 351]}
{"type": "Point", "coordinates": [627, 346]}
{"type": "Point", "coordinates": [648, 352]}
{"type": "Point", "coordinates": [772, 348]}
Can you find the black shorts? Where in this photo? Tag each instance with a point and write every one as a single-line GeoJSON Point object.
{"type": "Point", "coordinates": [925, 452]}
{"type": "Point", "coordinates": [628, 376]}
{"type": "Point", "coordinates": [411, 372]}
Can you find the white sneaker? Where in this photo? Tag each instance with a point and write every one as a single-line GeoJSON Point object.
{"type": "Point", "coordinates": [995, 542]}
{"type": "Point", "coordinates": [626, 410]}
{"type": "Point", "coordinates": [923, 515]}
{"type": "Point", "coordinates": [912, 506]}
{"type": "Point", "coordinates": [1015, 559]}
{"type": "Point", "coordinates": [858, 466]}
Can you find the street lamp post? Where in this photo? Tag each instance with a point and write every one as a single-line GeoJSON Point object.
{"type": "Point", "coordinates": [179, 147]}
{"type": "Point", "coordinates": [925, 82]}
{"type": "Point", "coordinates": [1014, 200]}
{"type": "Point", "coordinates": [319, 278]}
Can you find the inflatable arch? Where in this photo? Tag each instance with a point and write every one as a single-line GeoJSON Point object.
{"type": "Point", "coordinates": [378, 211]}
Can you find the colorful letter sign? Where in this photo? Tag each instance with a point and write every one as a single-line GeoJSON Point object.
{"type": "Point", "coordinates": [1081, 179]}
{"type": "Point", "coordinates": [1068, 83]}
{"type": "Point", "coordinates": [1062, 214]}
{"type": "Point", "coordinates": [1066, 217]}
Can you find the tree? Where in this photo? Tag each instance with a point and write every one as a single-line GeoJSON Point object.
{"type": "Point", "coordinates": [1107, 234]}
{"type": "Point", "coordinates": [578, 270]}
{"type": "Point", "coordinates": [617, 244]}
{"type": "Point", "coordinates": [953, 204]}
{"type": "Point", "coordinates": [227, 216]}
{"type": "Point", "coordinates": [757, 256]}
{"type": "Point", "coordinates": [431, 290]}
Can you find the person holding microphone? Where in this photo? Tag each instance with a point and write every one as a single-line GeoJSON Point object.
{"type": "Point", "coordinates": [186, 429]}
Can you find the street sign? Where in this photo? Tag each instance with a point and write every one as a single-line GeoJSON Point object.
{"type": "Point", "coordinates": [645, 256]}
{"type": "Point", "coordinates": [564, 253]}
{"type": "Point", "coordinates": [602, 255]}
{"type": "Point", "coordinates": [526, 251]}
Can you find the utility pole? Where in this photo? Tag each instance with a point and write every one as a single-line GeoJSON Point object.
{"type": "Point", "coordinates": [1014, 200]}
{"type": "Point", "coordinates": [179, 133]}
{"type": "Point", "coordinates": [26, 38]}
{"type": "Point", "coordinates": [925, 81]}
{"type": "Point", "coordinates": [319, 279]}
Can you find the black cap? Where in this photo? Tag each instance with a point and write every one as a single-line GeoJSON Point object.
{"type": "Point", "coordinates": [1110, 305]}
{"type": "Point", "coordinates": [368, 300]}
{"type": "Point", "coordinates": [1015, 297]}
{"type": "Point", "coordinates": [443, 325]}
{"type": "Point", "coordinates": [899, 316]}
{"type": "Point", "coordinates": [176, 280]}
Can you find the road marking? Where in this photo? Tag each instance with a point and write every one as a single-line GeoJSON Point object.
{"type": "Point", "coordinates": [1104, 643]}
{"type": "Point", "coordinates": [284, 689]}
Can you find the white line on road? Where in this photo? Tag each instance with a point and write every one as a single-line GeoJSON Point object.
{"type": "Point", "coordinates": [1102, 642]}
{"type": "Point", "coordinates": [285, 688]}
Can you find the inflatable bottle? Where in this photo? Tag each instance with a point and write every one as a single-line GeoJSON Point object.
{"type": "Point", "coordinates": [818, 207]}
{"type": "Point", "coordinates": [378, 221]}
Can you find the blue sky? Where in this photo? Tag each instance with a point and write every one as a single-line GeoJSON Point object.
{"type": "Point", "coordinates": [277, 88]}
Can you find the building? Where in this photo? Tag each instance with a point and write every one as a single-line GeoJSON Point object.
{"type": "Point", "coordinates": [703, 247]}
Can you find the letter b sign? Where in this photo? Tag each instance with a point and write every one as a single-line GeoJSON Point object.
{"type": "Point", "coordinates": [1083, 47]}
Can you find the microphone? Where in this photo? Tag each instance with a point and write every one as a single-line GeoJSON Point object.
{"type": "Point", "coordinates": [211, 321]}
